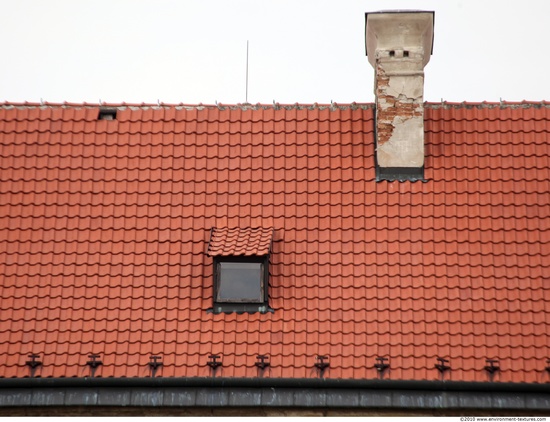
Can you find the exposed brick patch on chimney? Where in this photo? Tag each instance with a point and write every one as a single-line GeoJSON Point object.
{"type": "Point", "coordinates": [391, 107]}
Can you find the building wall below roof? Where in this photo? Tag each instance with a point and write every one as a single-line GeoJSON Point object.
{"type": "Point", "coordinates": [266, 401]}
{"type": "Point", "coordinates": [247, 411]}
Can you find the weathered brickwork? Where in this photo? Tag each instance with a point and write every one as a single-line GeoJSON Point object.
{"type": "Point", "coordinates": [388, 107]}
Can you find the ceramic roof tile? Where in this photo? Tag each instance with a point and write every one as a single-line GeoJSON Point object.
{"type": "Point", "coordinates": [104, 235]}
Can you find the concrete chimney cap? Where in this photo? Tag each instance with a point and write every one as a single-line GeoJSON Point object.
{"type": "Point", "coordinates": [399, 29]}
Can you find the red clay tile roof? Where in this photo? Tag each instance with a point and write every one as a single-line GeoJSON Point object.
{"type": "Point", "coordinates": [104, 228]}
{"type": "Point", "coordinates": [240, 241]}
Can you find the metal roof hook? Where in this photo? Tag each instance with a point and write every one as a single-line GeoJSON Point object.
{"type": "Point", "coordinates": [93, 363]}
{"type": "Point", "coordinates": [213, 363]}
{"type": "Point", "coordinates": [381, 366]}
{"type": "Point", "coordinates": [322, 364]}
{"type": "Point", "coordinates": [33, 363]}
{"type": "Point", "coordinates": [492, 367]}
{"type": "Point", "coordinates": [442, 366]}
{"type": "Point", "coordinates": [154, 364]}
{"type": "Point", "coordinates": [262, 363]}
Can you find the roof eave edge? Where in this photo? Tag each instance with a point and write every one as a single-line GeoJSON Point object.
{"type": "Point", "coordinates": [424, 385]}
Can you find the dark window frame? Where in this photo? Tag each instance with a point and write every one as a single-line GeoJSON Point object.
{"type": "Point", "coordinates": [236, 305]}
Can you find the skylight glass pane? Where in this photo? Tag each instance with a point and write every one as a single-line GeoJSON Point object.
{"type": "Point", "coordinates": [240, 282]}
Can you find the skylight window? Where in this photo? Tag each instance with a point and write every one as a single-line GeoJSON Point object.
{"type": "Point", "coordinates": [240, 282]}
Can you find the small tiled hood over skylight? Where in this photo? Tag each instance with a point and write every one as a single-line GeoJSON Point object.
{"type": "Point", "coordinates": [399, 45]}
{"type": "Point", "coordinates": [240, 241]}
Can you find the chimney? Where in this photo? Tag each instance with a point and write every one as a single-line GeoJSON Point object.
{"type": "Point", "coordinates": [399, 45]}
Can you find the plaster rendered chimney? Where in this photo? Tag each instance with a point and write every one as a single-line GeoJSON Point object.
{"type": "Point", "coordinates": [399, 45]}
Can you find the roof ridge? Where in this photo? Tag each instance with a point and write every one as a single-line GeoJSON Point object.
{"type": "Point", "coordinates": [486, 104]}
{"type": "Point", "coordinates": [239, 106]}
{"type": "Point", "coordinates": [277, 106]}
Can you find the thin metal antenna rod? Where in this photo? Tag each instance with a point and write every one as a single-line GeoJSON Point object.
{"type": "Point", "coordinates": [246, 97]}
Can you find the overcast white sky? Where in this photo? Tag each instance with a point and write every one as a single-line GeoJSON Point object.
{"type": "Point", "coordinates": [302, 51]}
